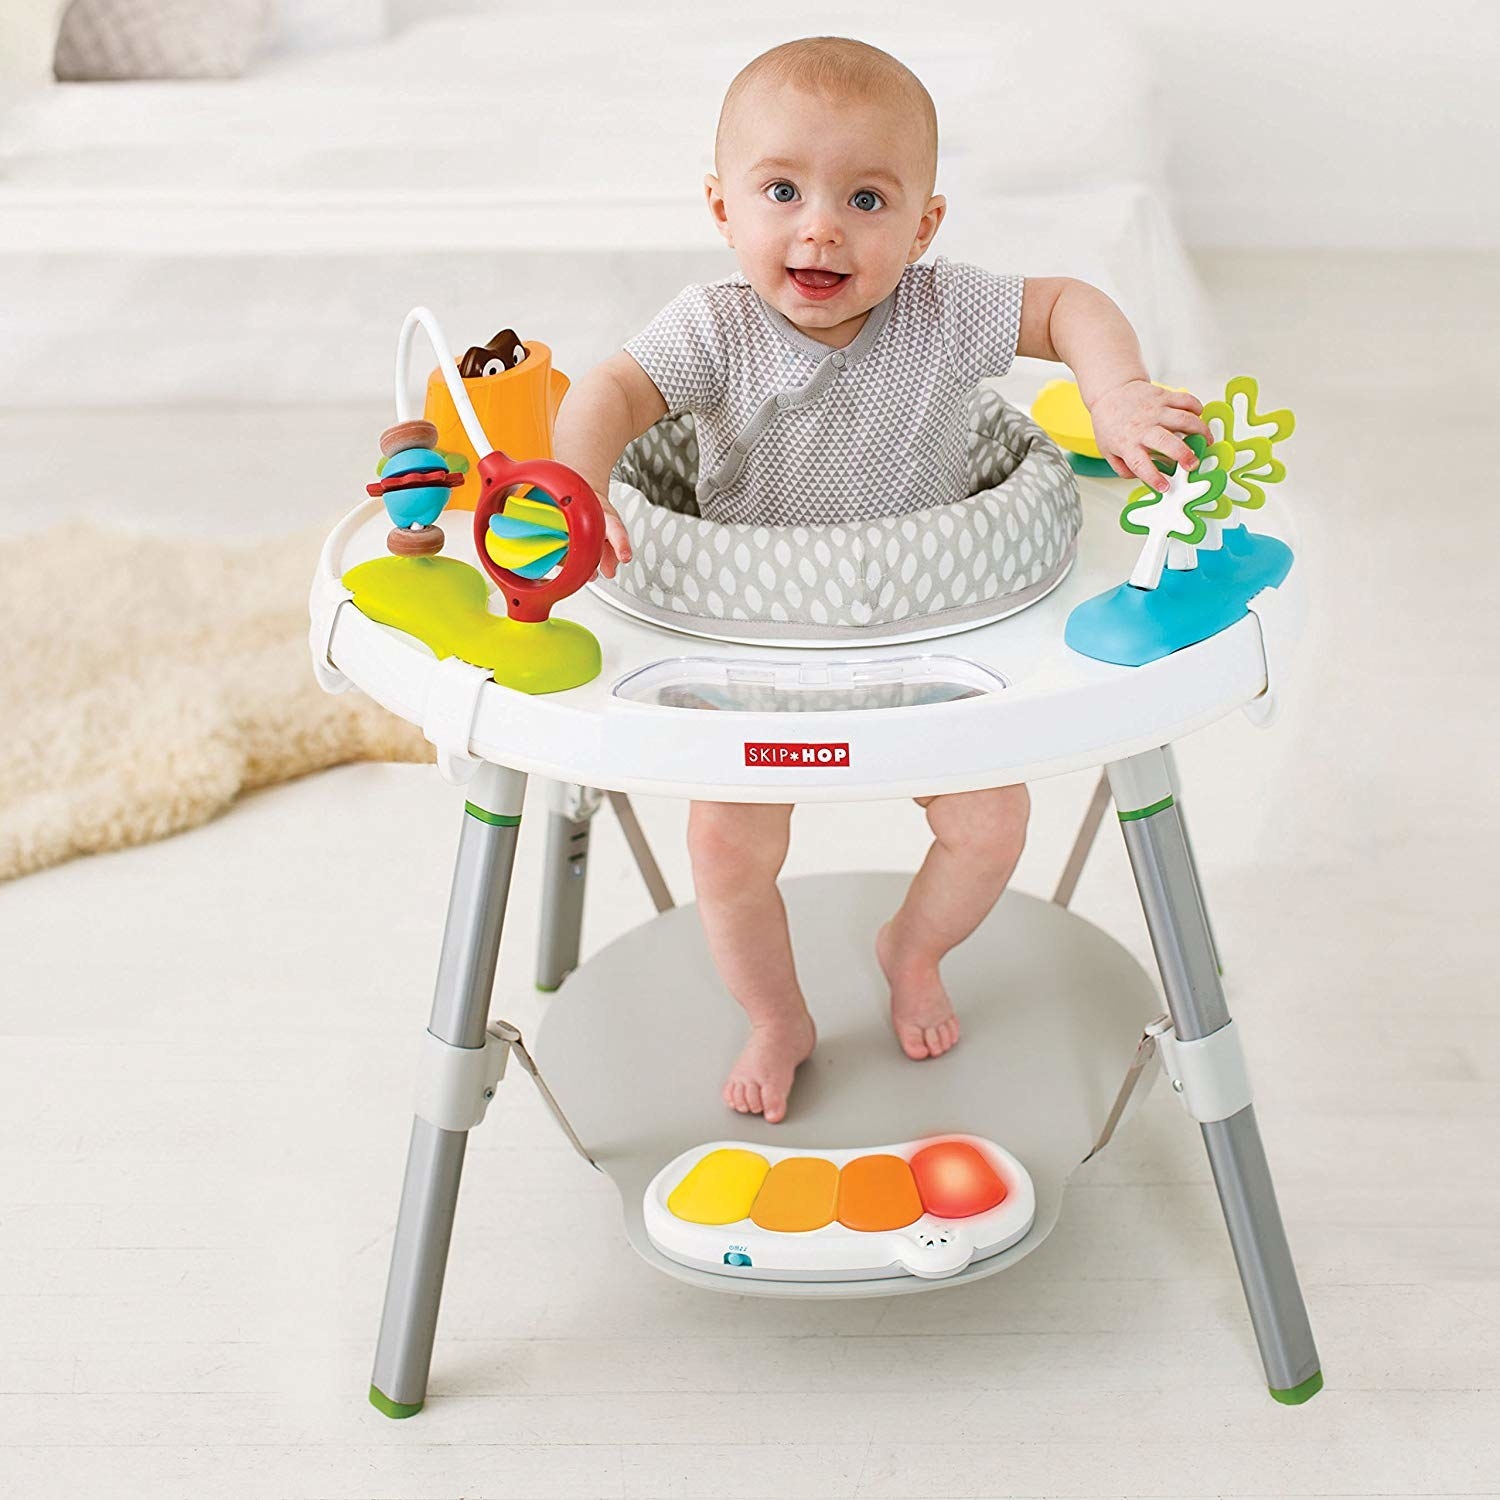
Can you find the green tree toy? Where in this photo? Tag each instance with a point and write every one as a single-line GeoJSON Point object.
{"type": "Point", "coordinates": [1234, 418]}
{"type": "Point", "coordinates": [1181, 513]}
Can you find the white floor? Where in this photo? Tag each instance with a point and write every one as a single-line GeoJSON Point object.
{"type": "Point", "coordinates": [208, 1044]}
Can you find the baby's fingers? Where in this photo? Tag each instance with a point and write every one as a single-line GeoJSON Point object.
{"type": "Point", "coordinates": [617, 548]}
{"type": "Point", "coordinates": [1179, 420]}
{"type": "Point", "coordinates": [1169, 445]}
{"type": "Point", "coordinates": [1138, 462]}
{"type": "Point", "coordinates": [1185, 399]}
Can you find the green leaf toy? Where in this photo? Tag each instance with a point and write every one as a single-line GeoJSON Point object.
{"type": "Point", "coordinates": [1236, 418]}
{"type": "Point", "coordinates": [1195, 575]}
{"type": "Point", "coordinates": [1192, 501]}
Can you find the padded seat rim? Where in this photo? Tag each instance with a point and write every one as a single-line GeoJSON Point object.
{"type": "Point", "coordinates": [948, 621]}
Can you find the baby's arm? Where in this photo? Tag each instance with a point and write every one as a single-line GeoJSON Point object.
{"type": "Point", "coordinates": [1076, 323]}
{"type": "Point", "coordinates": [602, 414]}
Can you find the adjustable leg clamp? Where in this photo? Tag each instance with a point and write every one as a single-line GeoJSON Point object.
{"type": "Point", "coordinates": [455, 1084]}
{"type": "Point", "coordinates": [1209, 1075]}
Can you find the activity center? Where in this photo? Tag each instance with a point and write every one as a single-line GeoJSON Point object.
{"type": "Point", "coordinates": [986, 643]}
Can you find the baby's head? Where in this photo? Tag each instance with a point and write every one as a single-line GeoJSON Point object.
{"type": "Point", "coordinates": [825, 158]}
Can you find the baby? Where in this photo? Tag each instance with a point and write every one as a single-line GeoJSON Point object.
{"type": "Point", "coordinates": [828, 382]}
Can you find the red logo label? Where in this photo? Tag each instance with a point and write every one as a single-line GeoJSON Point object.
{"type": "Point", "coordinates": [784, 753]}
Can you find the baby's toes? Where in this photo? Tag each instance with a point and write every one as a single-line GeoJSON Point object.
{"type": "Point", "coordinates": [913, 1042]}
{"type": "Point", "coordinates": [775, 1105]}
{"type": "Point", "coordinates": [734, 1095]}
{"type": "Point", "coordinates": [752, 1096]}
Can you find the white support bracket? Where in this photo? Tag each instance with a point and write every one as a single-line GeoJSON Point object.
{"type": "Point", "coordinates": [1209, 1075]}
{"type": "Point", "coordinates": [448, 719]}
{"type": "Point", "coordinates": [1281, 614]}
{"type": "Point", "coordinates": [455, 1084]}
{"type": "Point", "coordinates": [324, 604]}
{"type": "Point", "coordinates": [575, 803]}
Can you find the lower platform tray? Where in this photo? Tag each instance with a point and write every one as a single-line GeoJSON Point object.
{"type": "Point", "coordinates": [637, 1042]}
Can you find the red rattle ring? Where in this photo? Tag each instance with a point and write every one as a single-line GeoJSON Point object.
{"type": "Point", "coordinates": [531, 599]}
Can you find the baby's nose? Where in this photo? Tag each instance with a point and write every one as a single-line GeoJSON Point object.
{"type": "Point", "coordinates": [821, 229]}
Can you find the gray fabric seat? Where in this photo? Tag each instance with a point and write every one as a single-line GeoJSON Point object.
{"type": "Point", "coordinates": [947, 567]}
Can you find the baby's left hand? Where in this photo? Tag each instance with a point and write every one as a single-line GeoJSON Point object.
{"type": "Point", "coordinates": [1133, 419]}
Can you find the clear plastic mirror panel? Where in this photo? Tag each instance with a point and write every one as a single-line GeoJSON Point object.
{"type": "Point", "coordinates": [745, 685]}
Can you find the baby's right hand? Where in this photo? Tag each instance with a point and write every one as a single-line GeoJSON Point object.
{"type": "Point", "coordinates": [616, 543]}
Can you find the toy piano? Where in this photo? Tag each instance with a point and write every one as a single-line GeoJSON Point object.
{"type": "Point", "coordinates": [922, 1208]}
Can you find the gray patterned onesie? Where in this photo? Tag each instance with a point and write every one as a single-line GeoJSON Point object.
{"type": "Point", "coordinates": [793, 432]}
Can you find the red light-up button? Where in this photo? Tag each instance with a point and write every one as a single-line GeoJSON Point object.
{"type": "Point", "coordinates": [955, 1181]}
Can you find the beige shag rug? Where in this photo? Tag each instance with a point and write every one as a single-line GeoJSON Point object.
{"type": "Point", "coordinates": [146, 682]}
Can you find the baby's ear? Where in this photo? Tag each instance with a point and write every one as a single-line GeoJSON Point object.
{"type": "Point", "coordinates": [713, 191]}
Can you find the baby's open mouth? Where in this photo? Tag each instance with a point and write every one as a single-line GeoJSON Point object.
{"type": "Point", "coordinates": [816, 284]}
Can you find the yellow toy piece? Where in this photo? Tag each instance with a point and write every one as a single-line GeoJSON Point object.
{"type": "Point", "coordinates": [519, 552]}
{"type": "Point", "coordinates": [548, 538]}
{"type": "Point", "coordinates": [1059, 411]}
{"type": "Point", "coordinates": [721, 1187]}
{"type": "Point", "coordinates": [445, 604]}
{"type": "Point", "coordinates": [516, 409]}
{"type": "Point", "coordinates": [536, 513]}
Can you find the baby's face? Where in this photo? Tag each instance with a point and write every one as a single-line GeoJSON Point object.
{"type": "Point", "coordinates": [822, 185]}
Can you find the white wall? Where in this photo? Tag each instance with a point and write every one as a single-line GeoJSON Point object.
{"type": "Point", "coordinates": [1292, 123]}
{"type": "Point", "coordinates": [1299, 123]}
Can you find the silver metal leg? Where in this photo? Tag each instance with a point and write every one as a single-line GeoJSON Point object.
{"type": "Point", "coordinates": [434, 1162]}
{"type": "Point", "coordinates": [1178, 924]}
{"type": "Point", "coordinates": [1187, 840]}
{"type": "Point", "coordinates": [570, 814]}
{"type": "Point", "coordinates": [645, 860]}
{"type": "Point", "coordinates": [1088, 831]}
{"type": "Point", "coordinates": [564, 876]}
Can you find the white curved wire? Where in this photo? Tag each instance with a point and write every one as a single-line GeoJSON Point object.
{"type": "Point", "coordinates": [406, 408]}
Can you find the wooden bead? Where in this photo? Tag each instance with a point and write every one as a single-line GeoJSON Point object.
{"type": "Point", "coordinates": [404, 435]}
{"type": "Point", "coordinates": [423, 542]}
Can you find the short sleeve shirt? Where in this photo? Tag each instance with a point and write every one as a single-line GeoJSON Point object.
{"type": "Point", "coordinates": [791, 431]}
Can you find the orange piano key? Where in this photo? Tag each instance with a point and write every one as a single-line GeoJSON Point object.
{"type": "Point", "coordinates": [799, 1193]}
{"type": "Point", "coordinates": [877, 1192]}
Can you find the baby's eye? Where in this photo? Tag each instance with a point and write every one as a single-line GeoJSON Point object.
{"type": "Point", "coordinates": [781, 192]}
{"type": "Point", "coordinates": [867, 200]}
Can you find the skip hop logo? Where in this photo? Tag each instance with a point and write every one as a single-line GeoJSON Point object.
{"type": "Point", "coordinates": [782, 754]}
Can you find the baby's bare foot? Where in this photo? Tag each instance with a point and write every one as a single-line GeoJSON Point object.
{"type": "Point", "coordinates": [761, 1079]}
{"type": "Point", "coordinates": [921, 1012]}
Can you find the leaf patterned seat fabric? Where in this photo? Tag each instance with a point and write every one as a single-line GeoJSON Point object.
{"type": "Point", "coordinates": [1005, 546]}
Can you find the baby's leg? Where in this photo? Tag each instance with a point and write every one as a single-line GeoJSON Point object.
{"type": "Point", "coordinates": [978, 837]}
{"type": "Point", "coordinates": [737, 850]}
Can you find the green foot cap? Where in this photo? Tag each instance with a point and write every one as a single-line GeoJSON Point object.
{"type": "Point", "coordinates": [1300, 1393]}
{"type": "Point", "coordinates": [383, 1404]}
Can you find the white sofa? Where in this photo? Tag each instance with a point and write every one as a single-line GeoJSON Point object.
{"type": "Point", "coordinates": [260, 239]}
